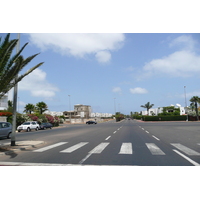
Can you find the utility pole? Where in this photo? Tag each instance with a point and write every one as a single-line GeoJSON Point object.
{"type": "Point", "coordinates": [186, 102]}
{"type": "Point", "coordinates": [70, 108]}
{"type": "Point", "coordinates": [15, 102]}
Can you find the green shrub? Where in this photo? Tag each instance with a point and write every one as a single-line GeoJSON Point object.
{"type": "Point", "coordinates": [165, 118]}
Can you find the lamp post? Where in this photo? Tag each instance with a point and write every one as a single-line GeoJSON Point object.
{"type": "Point", "coordinates": [186, 102]}
{"type": "Point", "coordinates": [69, 109]}
{"type": "Point", "coordinates": [15, 102]}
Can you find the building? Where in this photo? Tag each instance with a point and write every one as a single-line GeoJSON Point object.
{"type": "Point", "coordinates": [4, 102]}
{"type": "Point", "coordinates": [156, 111]}
{"type": "Point", "coordinates": [80, 111]}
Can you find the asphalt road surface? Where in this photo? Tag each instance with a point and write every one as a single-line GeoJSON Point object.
{"type": "Point", "coordinates": [113, 143]}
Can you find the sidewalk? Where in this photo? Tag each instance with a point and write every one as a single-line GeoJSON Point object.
{"type": "Point", "coordinates": [6, 148]}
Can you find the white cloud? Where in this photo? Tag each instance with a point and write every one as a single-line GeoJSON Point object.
{"type": "Point", "coordinates": [80, 44]}
{"type": "Point", "coordinates": [37, 85]}
{"type": "Point", "coordinates": [138, 90]}
{"type": "Point", "coordinates": [182, 63]}
{"type": "Point", "coordinates": [117, 90]}
{"type": "Point", "coordinates": [103, 56]}
{"type": "Point", "coordinates": [186, 42]}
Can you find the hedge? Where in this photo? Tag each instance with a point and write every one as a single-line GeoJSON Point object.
{"type": "Point", "coordinates": [164, 118]}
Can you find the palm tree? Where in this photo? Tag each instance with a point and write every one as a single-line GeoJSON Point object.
{"type": "Point", "coordinates": [196, 100]}
{"type": "Point", "coordinates": [41, 107]}
{"type": "Point", "coordinates": [29, 108]}
{"type": "Point", "coordinates": [147, 106]}
{"type": "Point", "coordinates": [11, 66]}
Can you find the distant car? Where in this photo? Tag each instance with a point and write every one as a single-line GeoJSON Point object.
{"type": "Point", "coordinates": [91, 122]}
{"type": "Point", "coordinates": [27, 126]}
{"type": "Point", "coordinates": [5, 129]}
{"type": "Point", "coordinates": [46, 125]}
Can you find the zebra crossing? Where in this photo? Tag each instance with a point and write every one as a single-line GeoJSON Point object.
{"type": "Point", "coordinates": [126, 148]}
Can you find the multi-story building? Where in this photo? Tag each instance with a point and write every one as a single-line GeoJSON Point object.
{"type": "Point", "coordinates": [80, 111]}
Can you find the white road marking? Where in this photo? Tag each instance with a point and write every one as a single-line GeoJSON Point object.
{"type": "Point", "coordinates": [99, 148]}
{"type": "Point", "coordinates": [155, 150]}
{"type": "Point", "coordinates": [75, 147]}
{"type": "Point", "coordinates": [49, 147]}
{"type": "Point", "coordinates": [142, 128]}
{"type": "Point", "coordinates": [107, 137]}
{"type": "Point", "coordinates": [155, 137]}
{"type": "Point", "coordinates": [126, 148]}
{"type": "Point", "coordinates": [114, 132]}
{"type": "Point", "coordinates": [188, 159]}
{"type": "Point", "coordinates": [185, 149]}
{"type": "Point", "coordinates": [147, 131]}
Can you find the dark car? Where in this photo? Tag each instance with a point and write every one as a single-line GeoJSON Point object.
{"type": "Point", "coordinates": [5, 129]}
{"type": "Point", "coordinates": [45, 125]}
{"type": "Point", "coordinates": [91, 122]}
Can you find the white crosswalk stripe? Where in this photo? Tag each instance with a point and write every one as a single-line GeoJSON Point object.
{"type": "Point", "coordinates": [99, 148]}
{"type": "Point", "coordinates": [49, 147]}
{"type": "Point", "coordinates": [126, 148]}
{"type": "Point", "coordinates": [73, 148]}
{"type": "Point", "coordinates": [185, 149]}
{"type": "Point", "coordinates": [154, 149]}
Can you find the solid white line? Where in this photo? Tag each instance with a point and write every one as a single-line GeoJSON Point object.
{"type": "Point", "coordinates": [31, 164]}
{"type": "Point", "coordinates": [84, 159]}
{"type": "Point", "coordinates": [155, 137]}
{"type": "Point", "coordinates": [188, 159]}
{"type": "Point", "coordinates": [75, 147]}
{"type": "Point", "coordinates": [155, 150]}
{"type": "Point", "coordinates": [185, 149]}
{"type": "Point", "coordinates": [99, 148]}
{"type": "Point", "coordinates": [126, 148]}
{"type": "Point", "coordinates": [107, 137]}
{"type": "Point", "coordinates": [49, 147]}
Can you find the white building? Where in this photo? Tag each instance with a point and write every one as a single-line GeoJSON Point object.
{"type": "Point", "coordinates": [156, 111]}
{"type": "Point", "coordinates": [4, 102]}
{"type": "Point", "coordinates": [101, 115]}
{"type": "Point", "coordinates": [53, 113]}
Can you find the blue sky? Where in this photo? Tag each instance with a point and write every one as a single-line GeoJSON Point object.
{"type": "Point", "coordinates": [94, 69]}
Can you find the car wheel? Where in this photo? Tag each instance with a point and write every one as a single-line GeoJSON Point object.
{"type": "Point", "coordinates": [28, 129]}
{"type": "Point", "coordinates": [18, 130]}
{"type": "Point", "coordinates": [37, 129]}
{"type": "Point", "coordinates": [8, 136]}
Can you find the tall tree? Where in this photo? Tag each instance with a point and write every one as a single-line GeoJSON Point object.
{"type": "Point", "coordinates": [29, 108]}
{"type": "Point", "coordinates": [41, 107]}
{"type": "Point", "coordinates": [147, 106]}
{"type": "Point", "coordinates": [11, 66]}
{"type": "Point", "coordinates": [196, 100]}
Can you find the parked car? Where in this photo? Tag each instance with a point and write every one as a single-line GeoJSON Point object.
{"type": "Point", "coordinates": [46, 125]}
{"type": "Point", "coordinates": [5, 129]}
{"type": "Point", "coordinates": [91, 122]}
{"type": "Point", "coordinates": [27, 126]}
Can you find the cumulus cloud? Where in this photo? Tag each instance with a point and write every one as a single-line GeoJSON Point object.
{"type": "Point", "coordinates": [80, 44]}
{"type": "Point", "coordinates": [182, 63]}
{"type": "Point", "coordinates": [37, 85]}
{"type": "Point", "coordinates": [117, 90]}
{"type": "Point", "coordinates": [138, 90]}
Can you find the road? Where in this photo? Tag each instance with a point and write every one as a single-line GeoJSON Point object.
{"type": "Point", "coordinates": [125, 143]}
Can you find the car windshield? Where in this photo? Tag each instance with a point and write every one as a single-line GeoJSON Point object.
{"type": "Point", "coordinates": [26, 123]}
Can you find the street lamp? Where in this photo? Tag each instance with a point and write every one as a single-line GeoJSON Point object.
{"type": "Point", "coordinates": [69, 109]}
{"type": "Point", "coordinates": [186, 102]}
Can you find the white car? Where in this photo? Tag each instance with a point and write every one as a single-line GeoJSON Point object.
{"type": "Point", "coordinates": [27, 126]}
